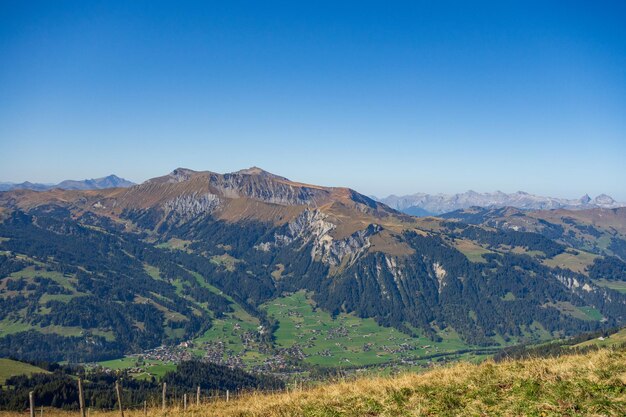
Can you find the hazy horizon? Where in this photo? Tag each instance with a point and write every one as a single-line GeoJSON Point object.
{"type": "Point", "coordinates": [592, 195]}
{"type": "Point", "coordinates": [393, 98]}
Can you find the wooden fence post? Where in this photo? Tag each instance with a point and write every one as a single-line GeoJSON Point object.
{"type": "Point", "coordinates": [41, 413]}
{"type": "Point", "coordinates": [184, 402]}
{"type": "Point", "coordinates": [81, 398]}
{"type": "Point", "coordinates": [119, 397]}
{"type": "Point", "coordinates": [145, 408]}
{"type": "Point", "coordinates": [164, 394]}
{"type": "Point", "coordinates": [227, 395]}
{"type": "Point", "coordinates": [198, 395]}
{"type": "Point", "coordinates": [31, 400]}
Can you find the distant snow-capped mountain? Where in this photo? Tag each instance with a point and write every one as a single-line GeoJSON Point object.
{"type": "Point", "coordinates": [425, 204]}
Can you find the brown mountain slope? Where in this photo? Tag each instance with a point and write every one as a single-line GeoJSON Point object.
{"type": "Point", "coordinates": [249, 194]}
{"type": "Point", "coordinates": [598, 230]}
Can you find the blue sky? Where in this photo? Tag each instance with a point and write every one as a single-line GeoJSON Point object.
{"type": "Point", "coordinates": [385, 97]}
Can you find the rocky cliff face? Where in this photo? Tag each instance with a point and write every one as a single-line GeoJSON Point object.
{"type": "Point", "coordinates": [313, 228]}
{"type": "Point", "coordinates": [269, 189]}
{"type": "Point", "coordinates": [192, 205]}
{"type": "Point", "coordinates": [252, 183]}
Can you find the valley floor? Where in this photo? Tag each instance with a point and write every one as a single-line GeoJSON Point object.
{"type": "Point", "coordinates": [592, 384]}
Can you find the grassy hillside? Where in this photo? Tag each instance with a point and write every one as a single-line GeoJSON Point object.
{"type": "Point", "coordinates": [593, 384]}
{"type": "Point", "coordinates": [349, 340]}
{"type": "Point", "coordinates": [614, 339]}
{"type": "Point", "coordinates": [9, 368]}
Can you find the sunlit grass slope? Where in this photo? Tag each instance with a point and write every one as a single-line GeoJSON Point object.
{"type": "Point", "coordinates": [9, 368]}
{"type": "Point", "coordinates": [593, 384]}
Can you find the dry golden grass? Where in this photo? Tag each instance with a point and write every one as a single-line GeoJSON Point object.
{"type": "Point", "coordinates": [593, 384]}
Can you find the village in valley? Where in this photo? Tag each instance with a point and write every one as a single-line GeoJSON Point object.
{"type": "Point", "coordinates": [306, 337]}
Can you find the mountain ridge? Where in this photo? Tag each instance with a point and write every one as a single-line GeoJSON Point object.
{"type": "Point", "coordinates": [148, 252]}
{"type": "Point", "coordinates": [435, 204]}
{"type": "Point", "coordinates": [110, 181]}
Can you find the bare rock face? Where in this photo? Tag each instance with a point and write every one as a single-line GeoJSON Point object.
{"type": "Point", "coordinates": [350, 249]}
{"type": "Point", "coordinates": [573, 284]}
{"type": "Point", "coordinates": [312, 227]}
{"type": "Point", "coordinates": [179, 175]}
{"type": "Point", "coordinates": [267, 188]}
{"type": "Point", "coordinates": [192, 205]}
{"type": "Point", "coordinates": [440, 273]}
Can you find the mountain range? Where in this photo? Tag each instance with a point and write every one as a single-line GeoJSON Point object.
{"type": "Point", "coordinates": [111, 181]}
{"type": "Point", "coordinates": [422, 204]}
{"type": "Point", "coordinates": [291, 270]}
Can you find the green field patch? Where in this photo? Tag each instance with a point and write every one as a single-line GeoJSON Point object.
{"type": "Point", "coordinates": [582, 313]}
{"type": "Point", "coordinates": [56, 297]}
{"type": "Point", "coordinates": [175, 244]}
{"type": "Point", "coordinates": [169, 314]}
{"type": "Point", "coordinates": [471, 250]}
{"type": "Point", "coordinates": [226, 261]}
{"type": "Point", "coordinates": [142, 368]}
{"type": "Point", "coordinates": [577, 262]}
{"type": "Point", "coordinates": [347, 340]}
{"type": "Point", "coordinates": [230, 330]}
{"type": "Point", "coordinates": [604, 242]}
{"type": "Point", "coordinates": [11, 327]}
{"type": "Point", "coordinates": [238, 312]}
{"type": "Point", "coordinates": [521, 250]}
{"type": "Point", "coordinates": [8, 327]}
{"type": "Point", "coordinates": [9, 368]}
{"type": "Point", "coordinates": [76, 331]}
{"type": "Point", "coordinates": [153, 271]}
{"type": "Point", "coordinates": [535, 333]}
{"type": "Point", "coordinates": [591, 313]}
{"type": "Point", "coordinates": [614, 285]}
{"type": "Point", "coordinates": [509, 296]}
{"type": "Point", "coordinates": [174, 333]}
{"type": "Point", "coordinates": [179, 285]}
{"type": "Point", "coordinates": [31, 272]}
{"type": "Point", "coordinates": [614, 339]}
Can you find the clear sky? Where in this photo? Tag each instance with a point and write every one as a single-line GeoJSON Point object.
{"type": "Point", "coordinates": [385, 97]}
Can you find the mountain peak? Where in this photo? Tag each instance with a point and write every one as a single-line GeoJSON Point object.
{"type": "Point", "coordinates": [179, 175]}
{"type": "Point", "coordinates": [603, 200]}
{"type": "Point", "coordinates": [181, 170]}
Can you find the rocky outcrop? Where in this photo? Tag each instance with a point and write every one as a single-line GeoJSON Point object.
{"type": "Point", "coordinates": [312, 227]}
{"type": "Point", "coordinates": [440, 273]}
{"type": "Point", "coordinates": [191, 205]}
{"type": "Point", "coordinates": [573, 283]}
{"type": "Point", "coordinates": [269, 189]}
